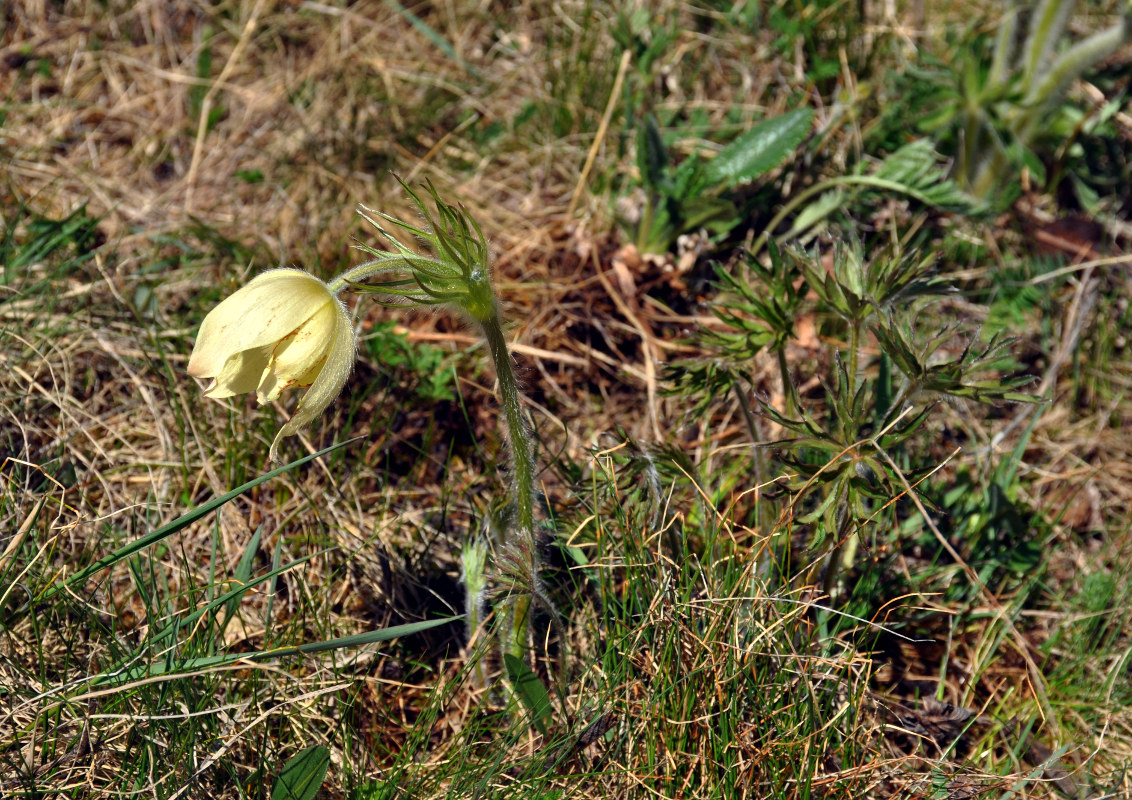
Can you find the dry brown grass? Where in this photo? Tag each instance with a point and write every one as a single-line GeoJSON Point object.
{"type": "Point", "coordinates": [323, 103]}
{"type": "Point", "coordinates": [315, 105]}
{"type": "Point", "coordinates": [103, 105]}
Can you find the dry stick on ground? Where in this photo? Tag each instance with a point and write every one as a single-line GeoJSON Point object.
{"type": "Point", "coordinates": [206, 104]}
{"type": "Point", "coordinates": [651, 350]}
{"type": "Point", "coordinates": [599, 137]}
{"type": "Point", "coordinates": [516, 347]}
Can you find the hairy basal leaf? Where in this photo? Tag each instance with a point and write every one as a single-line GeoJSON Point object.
{"type": "Point", "coordinates": [760, 149]}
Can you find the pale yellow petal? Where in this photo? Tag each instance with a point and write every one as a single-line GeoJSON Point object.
{"type": "Point", "coordinates": [297, 360]}
{"type": "Point", "coordinates": [240, 374]}
{"type": "Point", "coordinates": [270, 307]}
{"type": "Point", "coordinates": [330, 380]}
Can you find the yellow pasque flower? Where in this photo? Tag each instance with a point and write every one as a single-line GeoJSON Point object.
{"type": "Point", "coordinates": [286, 328]}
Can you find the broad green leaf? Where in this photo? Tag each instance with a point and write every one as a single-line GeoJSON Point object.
{"type": "Point", "coordinates": [760, 149]}
{"type": "Point", "coordinates": [303, 775]}
{"type": "Point", "coordinates": [531, 692]}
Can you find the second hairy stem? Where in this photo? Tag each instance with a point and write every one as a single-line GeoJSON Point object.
{"type": "Point", "coordinates": [845, 554]}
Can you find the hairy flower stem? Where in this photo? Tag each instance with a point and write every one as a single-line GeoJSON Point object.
{"type": "Point", "coordinates": [758, 457]}
{"type": "Point", "coordinates": [456, 274]}
{"type": "Point", "coordinates": [521, 537]}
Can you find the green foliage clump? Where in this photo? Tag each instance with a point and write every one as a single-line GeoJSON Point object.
{"type": "Point", "coordinates": [1002, 106]}
{"type": "Point", "coordinates": [847, 457]}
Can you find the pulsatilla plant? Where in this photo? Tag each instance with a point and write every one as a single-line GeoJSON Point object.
{"type": "Point", "coordinates": [755, 319]}
{"type": "Point", "coordinates": [287, 328]}
{"type": "Point", "coordinates": [843, 453]}
{"type": "Point", "coordinates": [1001, 109]}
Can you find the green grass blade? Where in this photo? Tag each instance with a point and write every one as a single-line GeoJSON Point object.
{"type": "Point", "coordinates": [210, 662]}
{"type": "Point", "coordinates": [303, 775]}
{"type": "Point", "coordinates": [231, 598]}
{"type": "Point", "coordinates": [242, 576]}
{"type": "Point", "coordinates": [531, 692]}
{"type": "Point", "coordinates": [181, 522]}
{"type": "Point", "coordinates": [430, 33]}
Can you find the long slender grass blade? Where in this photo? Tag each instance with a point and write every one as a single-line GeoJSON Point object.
{"type": "Point", "coordinates": [181, 522]}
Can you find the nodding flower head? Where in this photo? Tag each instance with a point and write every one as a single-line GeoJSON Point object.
{"type": "Point", "coordinates": [285, 329]}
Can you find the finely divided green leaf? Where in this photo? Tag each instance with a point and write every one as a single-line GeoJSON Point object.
{"type": "Point", "coordinates": [917, 172]}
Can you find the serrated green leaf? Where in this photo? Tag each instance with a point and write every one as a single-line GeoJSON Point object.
{"type": "Point", "coordinates": [302, 776]}
{"type": "Point", "coordinates": [529, 687]}
{"type": "Point", "coordinates": [760, 149]}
